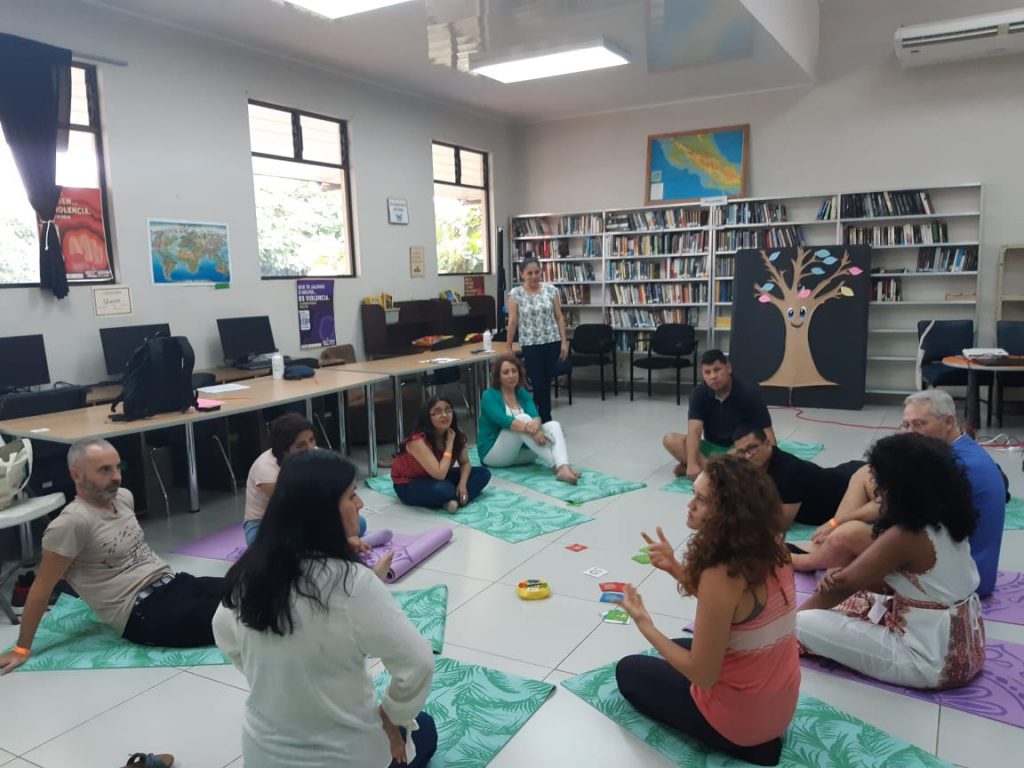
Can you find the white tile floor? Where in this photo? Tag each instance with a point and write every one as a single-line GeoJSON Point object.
{"type": "Point", "coordinates": [94, 719]}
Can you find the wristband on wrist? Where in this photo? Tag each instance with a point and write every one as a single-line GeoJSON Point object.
{"type": "Point", "coordinates": [21, 651]}
{"type": "Point", "coordinates": [832, 522]}
{"type": "Point", "coordinates": [447, 454]}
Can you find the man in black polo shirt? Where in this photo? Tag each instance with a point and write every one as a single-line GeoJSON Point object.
{"type": "Point", "coordinates": [717, 406]}
{"type": "Point", "coordinates": [810, 494]}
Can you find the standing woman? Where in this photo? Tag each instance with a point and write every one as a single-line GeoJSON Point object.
{"type": "Point", "coordinates": [301, 616]}
{"type": "Point", "coordinates": [432, 468]}
{"type": "Point", "coordinates": [735, 684]}
{"type": "Point", "coordinates": [535, 309]}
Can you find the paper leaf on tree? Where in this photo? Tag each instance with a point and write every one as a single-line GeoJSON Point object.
{"type": "Point", "coordinates": [823, 253]}
{"type": "Point", "coordinates": [764, 298]}
{"type": "Point", "coordinates": [804, 293]}
{"type": "Point", "coordinates": [846, 291]}
{"type": "Point", "coordinates": [768, 287]}
{"type": "Point", "coordinates": [774, 256]}
{"type": "Point", "coordinates": [830, 260]}
{"type": "Point", "coordinates": [817, 271]}
{"type": "Point", "coordinates": [855, 270]}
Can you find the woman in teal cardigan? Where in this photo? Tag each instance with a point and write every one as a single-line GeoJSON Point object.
{"type": "Point", "coordinates": [510, 429]}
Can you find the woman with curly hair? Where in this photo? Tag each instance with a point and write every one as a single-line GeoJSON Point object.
{"type": "Point", "coordinates": [905, 610]}
{"type": "Point", "coordinates": [734, 685]}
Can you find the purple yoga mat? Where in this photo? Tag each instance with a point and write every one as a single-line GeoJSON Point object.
{"type": "Point", "coordinates": [228, 544]}
{"type": "Point", "coordinates": [410, 551]}
{"type": "Point", "coordinates": [997, 693]}
{"type": "Point", "coordinates": [1006, 604]}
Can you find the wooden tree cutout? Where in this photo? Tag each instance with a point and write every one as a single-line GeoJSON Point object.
{"type": "Point", "coordinates": [797, 305]}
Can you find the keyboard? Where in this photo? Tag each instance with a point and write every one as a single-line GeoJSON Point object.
{"type": "Point", "coordinates": [254, 365]}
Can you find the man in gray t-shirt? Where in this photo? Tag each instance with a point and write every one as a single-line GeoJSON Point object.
{"type": "Point", "coordinates": [97, 545]}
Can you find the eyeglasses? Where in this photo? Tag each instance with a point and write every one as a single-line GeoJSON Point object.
{"type": "Point", "coordinates": [915, 424]}
{"type": "Point", "coordinates": [442, 412]}
{"type": "Point", "coordinates": [750, 450]}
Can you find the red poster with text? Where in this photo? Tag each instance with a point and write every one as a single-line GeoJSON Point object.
{"type": "Point", "coordinates": [83, 239]}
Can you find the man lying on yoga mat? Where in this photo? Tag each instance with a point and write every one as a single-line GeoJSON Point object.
{"type": "Point", "coordinates": [930, 413]}
{"type": "Point", "coordinates": [810, 494]}
{"type": "Point", "coordinates": [717, 406]}
{"type": "Point", "coordinates": [96, 543]}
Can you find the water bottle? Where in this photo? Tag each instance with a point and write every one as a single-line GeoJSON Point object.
{"type": "Point", "coordinates": [487, 340]}
{"type": "Point", "coordinates": [277, 366]}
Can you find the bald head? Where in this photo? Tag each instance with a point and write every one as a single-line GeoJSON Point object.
{"type": "Point", "coordinates": [95, 466]}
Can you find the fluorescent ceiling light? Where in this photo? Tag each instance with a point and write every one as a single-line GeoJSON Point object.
{"type": "Point", "coordinates": [335, 9]}
{"type": "Point", "coordinates": [551, 63]}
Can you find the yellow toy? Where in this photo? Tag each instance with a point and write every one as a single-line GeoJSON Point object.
{"type": "Point", "coordinates": [533, 589]}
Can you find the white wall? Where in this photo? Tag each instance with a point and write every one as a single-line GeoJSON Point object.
{"type": "Point", "coordinates": [177, 145]}
{"type": "Point", "coordinates": [866, 124]}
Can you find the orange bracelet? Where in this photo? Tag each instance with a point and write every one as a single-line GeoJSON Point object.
{"type": "Point", "coordinates": [447, 454]}
{"type": "Point", "coordinates": [22, 651]}
{"type": "Point", "coordinates": [833, 523]}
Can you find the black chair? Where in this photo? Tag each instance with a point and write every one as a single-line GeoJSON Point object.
{"type": "Point", "coordinates": [673, 345]}
{"type": "Point", "coordinates": [1009, 336]}
{"type": "Point", "coordinates": [593, 344]}
{"type": "Point", "coordinates": [945, 338]}
{"type": "Point", "coordinates": [563, 369]}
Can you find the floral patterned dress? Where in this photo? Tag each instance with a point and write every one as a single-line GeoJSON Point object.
{"type": "Point", "coordinates": [927, 632]}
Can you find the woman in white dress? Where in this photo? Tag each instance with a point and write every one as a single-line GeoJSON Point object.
{"type": "Point", "coordinates": [905, 611]}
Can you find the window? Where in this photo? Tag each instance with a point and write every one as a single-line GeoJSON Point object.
{"type": "Point", "coordinates": [303, 205]}
{"type": "Point", "coordinates": [81, 212]}
{"type": "Point", "coordinates": [461, 203]}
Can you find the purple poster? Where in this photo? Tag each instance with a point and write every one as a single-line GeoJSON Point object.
{"type": "Point", "coordinates": [316, 313]}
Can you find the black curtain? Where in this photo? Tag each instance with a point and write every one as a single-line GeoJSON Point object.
{"type": "Point", "coordinates": [35, 101]}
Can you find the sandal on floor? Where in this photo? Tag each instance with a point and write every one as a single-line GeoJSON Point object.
{"type": "Point", "coordinates": [144, 760]}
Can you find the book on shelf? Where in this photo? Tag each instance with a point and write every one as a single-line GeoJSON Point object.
{"type": "Point", "coordinates": [571, 295]}
{"type": "Point", "coordinates": [776, 237]}
{"type": "Point", "coordinates": [547, 226]}
{"type": "Point", "coordinates": [886, 289]}
{"type": "Point", "coordinates": [958, 259]}
{"type": "Point", "coordinates": [897, 234]}
{"type": "Point", "coordinates": [723, 323]}
{"type": "Point", "coordinates": [655, 245]}
{"type": "Point", "coordinates": [576, 248]}
{"type": "Point", "coordinates": [761, 212]}
{"type": "Point", "coordinates": [723, 291]}
{"type": "Point", "coordinates": [581, 272]}
{"type": "Point", "coordinates": [658, 218]}
{"type": "Point", "coordinates": [659, 293]}
{"type": "Point", "coordinates": [866, 205]}
{"type": "Point", "coordinates": [649, 319]}
{"type": "Point", "coordinates": [725, 267]}
{"type": "Point", "coordinates": [970, 298]}
{"type": "Point", "coordinates": [827, 210]}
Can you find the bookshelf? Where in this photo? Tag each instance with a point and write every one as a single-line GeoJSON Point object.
{"type": "Point", "coordinates": [636, 268]}
{"type": "Point", "coordinates": [1011, 283]}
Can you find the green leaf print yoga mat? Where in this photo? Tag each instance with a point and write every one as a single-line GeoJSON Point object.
{"type": "Point", "coordinates": [501, 513]}
{"type": "Point", "coordinates": [820, 734]}
{"type": "Point", "coordinates": [427, 609]}
{"type": "Point", "coordinates": [805, 451]}
{"type": "Point", "coordinates": [477, 710]}
{"type": "Point", "coordinates": [537, 477]}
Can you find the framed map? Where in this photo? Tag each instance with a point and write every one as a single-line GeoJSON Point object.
{"type": "Point", "coordinates": [189, 253]}
{"type": "Point", "coordinates": [689, 165]}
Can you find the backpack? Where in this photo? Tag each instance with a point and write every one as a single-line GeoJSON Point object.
{"type": "Point", "coordinates": [157, 379]}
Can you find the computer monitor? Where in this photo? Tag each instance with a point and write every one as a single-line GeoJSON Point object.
{"type": "Point", "coordinates": [23, 362]}
{"type": "Point", "coordinates": [245, 337]}
{"type": "Point", "coordinates": [120, 343]}
{"type": "Point", "coordinates": [23, 404]}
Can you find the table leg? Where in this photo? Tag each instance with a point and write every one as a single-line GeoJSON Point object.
{"type": "Point", "coordinates": [371, 431]}
{"type": "Point", "coordinates": [973, 397]}
{"type": "Point", "coordinates": [309, 409]}
{"type": "Point", "coordinates": [193, 478]}
{"type": "Point", "coordinates": [399, 432]}
{"type": "Point", "coordinates": [342, 437]}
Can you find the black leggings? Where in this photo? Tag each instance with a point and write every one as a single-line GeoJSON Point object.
{"type": "Point", "coordinates": [541, 362]}
{"type": "Point", "coordinates": [658, 690]}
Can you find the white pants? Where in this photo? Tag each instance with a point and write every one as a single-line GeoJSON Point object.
{"type": "Point", "coordinates": [512, 448]}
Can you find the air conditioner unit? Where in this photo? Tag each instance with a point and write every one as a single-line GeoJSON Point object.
{"type": "Point", "coordinates": [970, 37]}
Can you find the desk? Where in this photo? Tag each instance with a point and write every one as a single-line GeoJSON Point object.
{"type": "Point", "coordinates": [973, 396]}
{"type": "Point", "coordinates": [104, 394]}
{"type": "Point", "coordinates": [69, 426]}
{"type": "Point", "coordinates": [397, 368]}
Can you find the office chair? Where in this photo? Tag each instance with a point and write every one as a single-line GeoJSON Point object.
{"type": "Point", "coordinates": [673, 345]}
{"type": "Point", "coordinates": [1009, 336]}
{"type": "Point", "coordinates": [947, 338]}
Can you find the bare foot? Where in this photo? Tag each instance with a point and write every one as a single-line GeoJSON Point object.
{"type": "Point", "coordinates": [679, 470]}
{"type": "Point", "coordinates": [451, 507]}
{"type": "Point", "coordinates": [565, 474]}
{"type": "Point", "coordinates": [576, 472]}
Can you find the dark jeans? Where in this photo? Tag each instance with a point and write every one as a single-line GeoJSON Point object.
{"type": "Point", "coordinates": [177, 615]}
{"type": "Point", "coordinates": [425, 739]}
{"type": "Point", "coordinates": [427, 492]}
{"type": "Point", "coordinates": [541, 361]}
{"type": "Point", "coordinates": [658, 690]}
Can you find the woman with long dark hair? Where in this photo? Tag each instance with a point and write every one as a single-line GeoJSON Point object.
{"type": "Point", "coordinates": [735, 684]}
{"type": "Point", "coordinates": [432, 468]}
{"type": "Point", "coordinates": [905, 610]}
{"type": "Point", "coordinates": [300, 617]}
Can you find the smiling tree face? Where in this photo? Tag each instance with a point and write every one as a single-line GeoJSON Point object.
{"type": "Point", "coordinates": [797, 305]}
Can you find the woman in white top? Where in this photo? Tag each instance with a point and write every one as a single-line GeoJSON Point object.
{"type": "Point", "coordinates": [300, 618]}
{"type": "Point", "coordinates": [905, 610]}
{"type": "Point", "coordinates": [536, 311]}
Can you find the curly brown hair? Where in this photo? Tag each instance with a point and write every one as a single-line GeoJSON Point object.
{"type": "Point", "coordinates": [745, 531]}
{"type": "Point", "coordinates": [499, 361]}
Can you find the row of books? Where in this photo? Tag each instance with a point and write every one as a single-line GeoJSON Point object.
{"type": "Point", "coordinates": [947, 260]}
{"type": "Point", "coordinates": [652, 245]}
{"type": "Point", "coordinates": [725, 267]}
{"type": "Point", "coordinates": [650, 318]}
{"type": "Point", "coordinates": [723, 292]}
{"type": "Point", "coordinates": [574, 294]}
{"type": "Point", "coordinates": [585, 248]}
{"type": "Point", "coordinates": [669, 269]}
{"type": "Point", "coordinates": [750, 213]}
{"type": "Point", "coordinates": [661, 218]}
{"type": "Point", "coordinates": [582, 272]}
{"type": "Point", "coordinates": [580, 224]}
{"type": "Point", "coordinates": [886, 289]}
{"type": "Point", "coordinates": [900, 234]}
{"type": "Point", "coordinates": [776, 237]}
{"type": "Point", "coordinates": [659, 293]}
{"type": "Point", "coordinates": [910, 202]}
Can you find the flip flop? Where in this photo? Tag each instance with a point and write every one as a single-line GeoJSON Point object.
{"type": "Point", "coordinates": [149, 760]}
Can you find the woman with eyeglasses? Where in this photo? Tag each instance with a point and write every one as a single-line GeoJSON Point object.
{"type": "Point", "coordinates": [734, 685]}
{"type": "Point", "coordinates": [432, 468]}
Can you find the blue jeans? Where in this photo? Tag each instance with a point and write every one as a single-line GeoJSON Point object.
{"type": "Point", "coordinates": [425, 739]}
{"type": "Point", "coordinates": [427, 492]}
{"type": "Point", "coordinates": [252, 527]}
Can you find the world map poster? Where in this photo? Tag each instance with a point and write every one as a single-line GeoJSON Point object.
{"type": "Point", "coordinates": [694, 164]}
{"type": "Point", "coordinates": [185, 252]}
